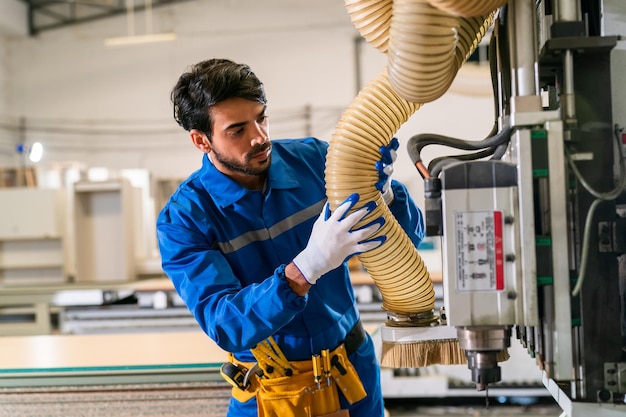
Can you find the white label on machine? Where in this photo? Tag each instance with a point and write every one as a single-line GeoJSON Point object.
{"type": "Point", "coordinates": [480, 258]}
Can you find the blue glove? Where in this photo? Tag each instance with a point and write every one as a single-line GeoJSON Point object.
{"type": "Point", "coordinates": [385, 169]}
{"type": "Point", "coordinates": [333, 239]}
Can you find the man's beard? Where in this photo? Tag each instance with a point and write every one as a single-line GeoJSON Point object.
{"type": "Point", "coordinates": [245, 168]}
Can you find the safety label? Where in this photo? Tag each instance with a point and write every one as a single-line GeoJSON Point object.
{"type": "Point", "coordinates": [480, 257]}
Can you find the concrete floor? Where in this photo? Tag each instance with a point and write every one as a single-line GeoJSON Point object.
{"type": "Point", "coordinates": [476, 412]}
{"type": "Point", "coordinates": [471, 408]}
{"type": "Point", "coordinates": [210, 399]}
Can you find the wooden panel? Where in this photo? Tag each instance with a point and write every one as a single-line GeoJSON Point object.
{"type": "Point", "coordinates": [29, 213]}
{"type": "Point", "coordinates": [104, 232]}
{"type": "Point", "coordinates": [32, 236]}
{"type": "Point", "coordinates": [31, 253]}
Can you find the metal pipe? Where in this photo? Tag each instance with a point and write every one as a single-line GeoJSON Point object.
{"type": "Point", "coordinates": [560, 266]}
{"type": "Point", "coordinates": [566, 11]}
{"type": "Point", "coordinates": [568, 101]}
{"type": "Point", "coordinates": [548, 329]}
{"type": "Point", "coordinates": [522, 44]}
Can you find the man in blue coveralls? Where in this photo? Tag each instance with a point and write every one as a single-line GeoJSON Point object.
{"type": "Point", "coordinates": [249, 242]}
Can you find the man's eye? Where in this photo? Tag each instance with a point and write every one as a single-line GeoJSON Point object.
{"type": "Point", "coordinates": [263, 119]}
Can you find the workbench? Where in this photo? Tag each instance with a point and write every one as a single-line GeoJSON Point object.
{"type": "Point", "coordinates": [112, 358]}
{"type": "Point", "coordinates": [165, 374]}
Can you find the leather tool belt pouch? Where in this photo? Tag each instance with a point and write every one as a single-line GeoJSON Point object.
{"type": "Point", "coordinates": [345, 376]}
{"type": "Point", "coordinates": [296, 396]}
{"type": "Point", "coordinates": [299, 396]}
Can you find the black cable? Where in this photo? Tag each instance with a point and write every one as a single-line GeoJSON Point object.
{"type": "Point", "coordinates": [418, 142]}
{"type": "Point", "coordinates": [500, 151]}
{"type": "Point", "coordinates": [437, 164]}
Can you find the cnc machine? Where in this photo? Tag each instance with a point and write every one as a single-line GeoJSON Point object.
{"type": "Point", "coordinates": [531, 218]}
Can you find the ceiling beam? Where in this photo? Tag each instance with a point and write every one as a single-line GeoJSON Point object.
{"type": "Point", "coordinates": [44, 15]}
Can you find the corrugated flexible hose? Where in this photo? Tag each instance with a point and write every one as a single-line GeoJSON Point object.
{"type": "Point", "coordinates": [426, 42]}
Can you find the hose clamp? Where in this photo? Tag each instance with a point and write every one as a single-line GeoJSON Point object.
{"type": "Point", "coordinates": [421, 319]}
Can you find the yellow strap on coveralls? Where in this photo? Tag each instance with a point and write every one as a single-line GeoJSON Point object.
{"type": "Point", "coordinates": [272, 359]}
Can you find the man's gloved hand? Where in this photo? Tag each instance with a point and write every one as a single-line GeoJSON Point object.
{"type": "Point", "coordinates": [333, 239]}
{"type": "Point", "coordinates": [385, 169]}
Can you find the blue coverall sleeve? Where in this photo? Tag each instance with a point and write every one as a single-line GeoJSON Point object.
{"type": "Point", "coordinates": [407, 213]}
{"type": "Point", "coordinates": [235, 318]}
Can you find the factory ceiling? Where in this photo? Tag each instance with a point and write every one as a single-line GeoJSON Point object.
{"type": "Point", "coordinates": [53, 14]}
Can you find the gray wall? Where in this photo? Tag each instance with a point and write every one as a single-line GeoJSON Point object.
{"type": "Point", "coordinates": [110, 107]}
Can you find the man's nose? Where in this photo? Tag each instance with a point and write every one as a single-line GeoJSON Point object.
{"type": "Point", "coordinates": [260, 135]}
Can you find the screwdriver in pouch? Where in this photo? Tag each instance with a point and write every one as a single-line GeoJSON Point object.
{"type": "Point", "coordinates": [317, 369]}
{"type": "Point", "coordinates": [326, 365]}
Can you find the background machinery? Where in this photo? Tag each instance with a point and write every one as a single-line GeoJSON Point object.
{"type": "Point", "coordinates": [531, 218]}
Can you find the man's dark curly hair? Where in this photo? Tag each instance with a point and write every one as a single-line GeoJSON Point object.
{"type": "Point", "coordinates": [208, 83]}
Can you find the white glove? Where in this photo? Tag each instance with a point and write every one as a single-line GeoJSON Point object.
{"type": "Point", "coordinates": [333, 240]}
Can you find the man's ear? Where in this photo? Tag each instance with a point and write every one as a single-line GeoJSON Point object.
{"type": "Point", "coordinates": [200, 140]}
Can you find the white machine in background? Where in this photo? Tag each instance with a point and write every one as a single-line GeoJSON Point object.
{"type": "Point", "coordinates": [529, 217]}
{"type": "Point", "coordinates": [77, 240]}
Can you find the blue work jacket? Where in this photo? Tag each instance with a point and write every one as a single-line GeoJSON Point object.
{"type": "Point", "coordinates": [225, 248]}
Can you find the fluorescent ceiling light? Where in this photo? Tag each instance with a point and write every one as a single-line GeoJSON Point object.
{"type": "Point", "coordinates": [36, 152]}
{"type": "Point", "coordinates": [140, 39]}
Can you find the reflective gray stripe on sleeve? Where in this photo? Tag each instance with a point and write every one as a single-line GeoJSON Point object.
{"type": "Point", "coordinates": [263, 234]}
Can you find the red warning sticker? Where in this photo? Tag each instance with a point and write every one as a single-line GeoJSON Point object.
{"type": "Point", "coordinates": [479, 250]}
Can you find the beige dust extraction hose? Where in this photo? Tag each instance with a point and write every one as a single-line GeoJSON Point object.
{"type": "Point", "coordinates": [425, 47]}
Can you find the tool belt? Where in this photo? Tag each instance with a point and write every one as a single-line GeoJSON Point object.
{"type": "Point", "coordinates": [308, 388]}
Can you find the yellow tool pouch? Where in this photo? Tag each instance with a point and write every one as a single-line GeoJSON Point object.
{"type": "Point", "coordinates": [298, 395]}
{"type": "Point", "coordinates": [345, 375]}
